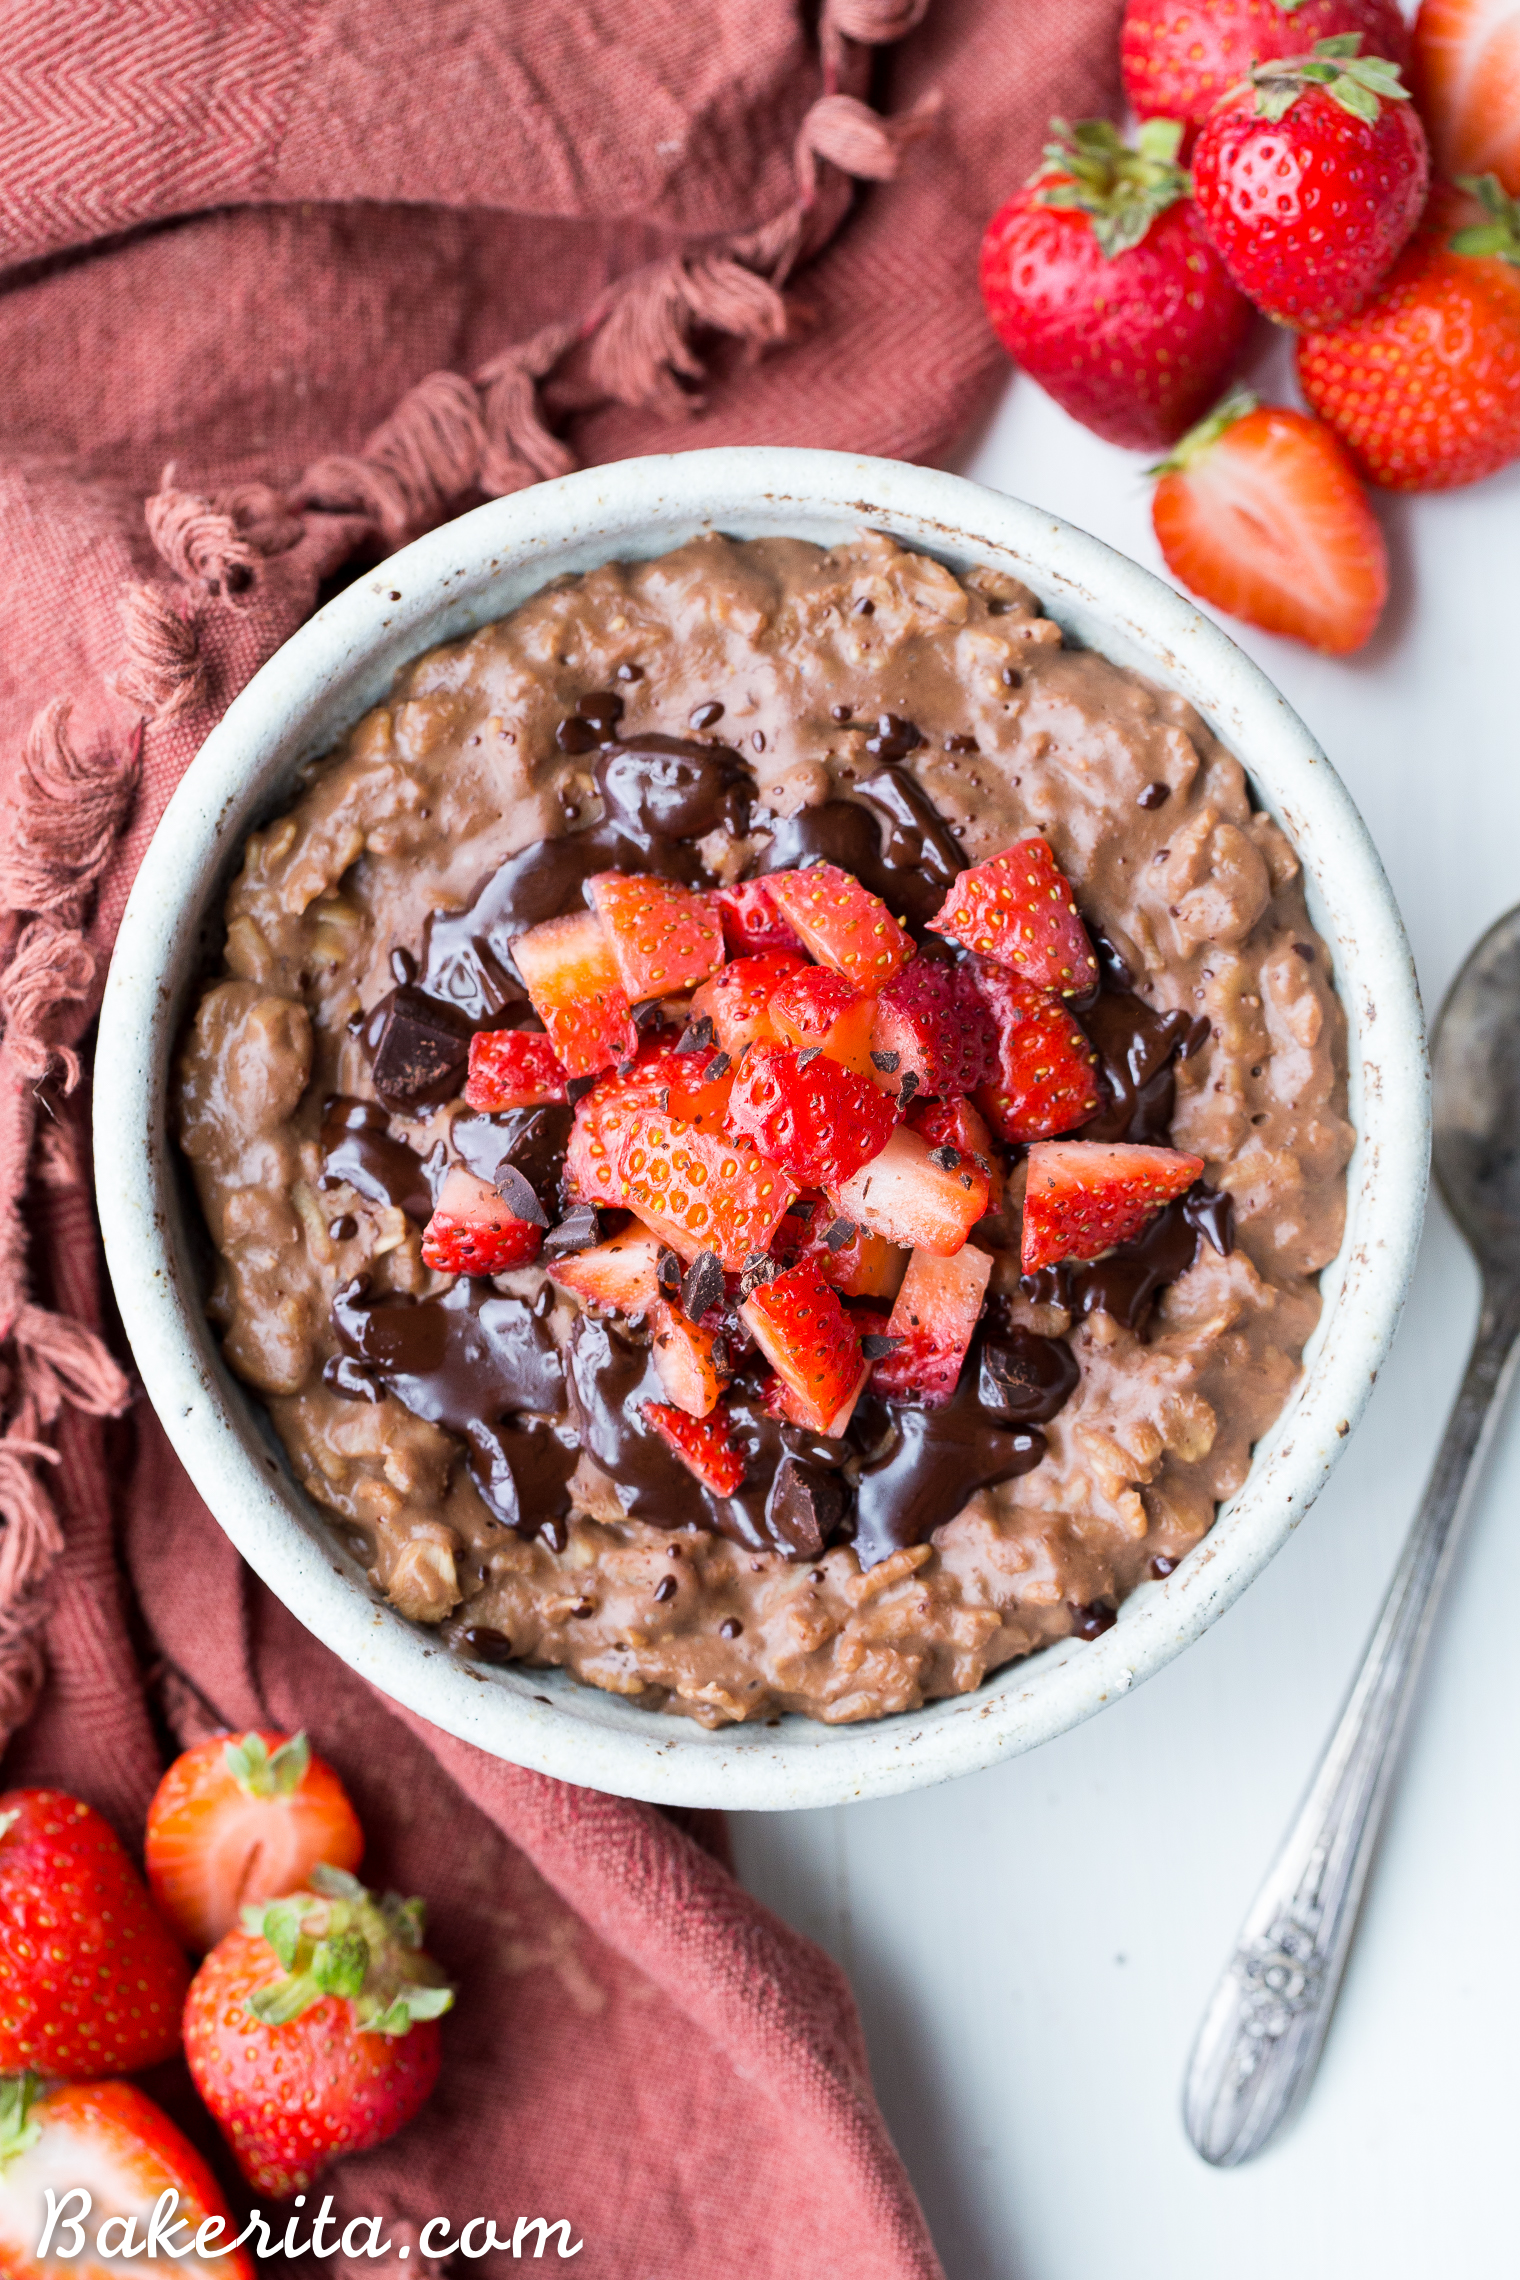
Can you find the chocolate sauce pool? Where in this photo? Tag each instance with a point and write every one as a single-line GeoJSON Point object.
{"type": "Point", "coordinates": [484, 1366]}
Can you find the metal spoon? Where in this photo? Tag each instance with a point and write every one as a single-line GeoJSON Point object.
{"type": "Point", "coordinates": [1263, 2032]}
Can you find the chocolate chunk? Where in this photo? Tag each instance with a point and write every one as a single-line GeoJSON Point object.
{"type": "Point", "coordinates": [888, 1063]}
{"type": "Point", "coordinates": [630, 672]}
{"type": "Point", "coordinates": [759, 1268]}
{"type": "Point", "coordinates": [894, 738]}
{"type": "Point", "coordinates": [717, 1067]}
{"type": "Point", "coordinates": [703, 1288]}
{"type": "Point", "coordinates": [808, 1053]}
{"type": "Point", "coordinates": [1012, 677]}
{"type": "Point", "coordinates": [803, 1207]}
{"type": "Point", "coordinates": [908, 1087]}
{"type": "Point", "coordinates": [603, 708]}
{"type": "Point", "coordinates": [576, 736]}
{"type": "Point", "coordinates": [842, 1231]}
{"type": "Point", "coordinates": [804, 1507]}
{"type": "Point", "coordinates": [666, 1588]}
{"type": "Point", "coordinates": [517, 1194]}
{"type": "Point", "coordinates": [707, 716]}
{"type": "Point", "coordinates": [1024, 1378]}
{"type": "Point", "coordinates": [877, 1344]}
{"type": "Point", "coordinates": [698, 1036]}
{"type": "Point", "coordinates": [839, 712]}
{"type": "Point", "coordinates": [486, 1644]}
{"type": "Point", "coordinates": [1155, 795]}
{"type": "Point", "coordinates": [576, 1088]}
{"type": "Point", "coordinates": [423, 1053]}
{"type": "Point", "coordinates": [947, 1157]}
{"type": "Point", "coordinates": [667, 1273]}
{"type": "Point", "coordinates": [577, 1231]}
{"type": "Point", "coordinates": [730, 1628]}
{"type": "Point", "coordinates": [1091, 1622]}
{"type": "Point", "coordinates": [344, 1228]}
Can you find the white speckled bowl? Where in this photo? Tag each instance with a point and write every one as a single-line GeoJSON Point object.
{"type": "Point", "coordinates": [341, 663]}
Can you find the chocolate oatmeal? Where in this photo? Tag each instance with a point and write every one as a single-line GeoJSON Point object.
{"type": "Point", "coordinates": [769, 1129]}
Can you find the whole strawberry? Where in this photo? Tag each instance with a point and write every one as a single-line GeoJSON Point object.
{"type": "Point", "coordinates": [1101, 280]}
{"type": "Point", "coordinates": [1423, 387]}
{"type": "Point", "coordinates": [1311, 175]}
{"type": "Point", "coordinates": [311, 2031]}
{"type": "Point", "coordinates": [1180, 56]}
{"type": "Point", "coordinates": [91, 1983]}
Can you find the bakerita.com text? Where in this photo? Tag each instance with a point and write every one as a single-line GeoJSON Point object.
{"type": "Point", "coordinates": [163, 2232]}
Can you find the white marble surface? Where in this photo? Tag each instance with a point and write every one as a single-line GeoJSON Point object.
{"type": "Point", "coordinates": [1032, 1947]}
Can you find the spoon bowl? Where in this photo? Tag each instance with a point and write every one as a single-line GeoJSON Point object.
{"type": "Point", "coordinates": [1476, 1069]}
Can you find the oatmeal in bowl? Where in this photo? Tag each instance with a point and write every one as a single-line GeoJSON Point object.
{"type": "Point", "coordinates": [782, 1118]}
{"type": "Point", "coordinates": [769, 1128]}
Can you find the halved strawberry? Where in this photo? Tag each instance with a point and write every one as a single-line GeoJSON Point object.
{"type": "Point", "coordinates": [700, 1190]}
{"type": "Point", "coordinates": [513, 1068]}
{"type": "Point", "coordinates": [659, 1078]}
{"type": "Point", "coordinates": [751, 920]}
{"type": "Point", "coordinates": [1019, 910]}
{"type": "Point", "coordinates": [811, 1114]}
{"type": "Point", "coordinates": [1084, 1196]}
{"type": "Point", "coordinates": [1467, 84]}
{"type": "Point", "coordinates": [810, 1342]}
{"type": "Point", "coordinates": [933, 1032]}
{"type": "Point", "coordinates": [1259, 510]}
{"type": "Point", "coordinates": [911, 1197]}
{"type": "Point", "coordinates": [664, 937]}
{"type": "Point", "coordinates": [936, 1314]}
{"type": "Point", "coordinates": [107, 2143]}
{"type": "Point", "coordinates": [955, 1123]}
{"type": "Point", "coordinates": [577, 992]}
{"type": "Point", "coordinates": [620, 1273]}
{"type": "Point", "coordinates": [819, 1007]}
{"type": "Point", "coordinates": [241, 1818]}
{"type": "Point", "coordinates": [703, 1444]}
{"type": "Point", "coordinates": [472, 1232]}
{"type": "Point", "coordinates": [1046, 1077]}
{"type": "Point", "coordinates": [690, 1360]}
{"type": "Point", "coordinates": [737, 999]}
{"type": "Point", "coordinates": [842, 924]}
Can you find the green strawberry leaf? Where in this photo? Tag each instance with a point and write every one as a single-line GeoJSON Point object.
{"type": "Point", "coordinates": [339, 1963]}
{"type": "Point", "coordinates": [1120, 190]}
{"type": "Point", "coordinates": [1359, 83]}
{"type": "Point", "coordinates": [284, 1999]}
{"type": "Point", "coordinates": [1499, 236]}
{"type": "Point", "coordinates": [1198, 439]}
{"type": "Point", "coordinates": [18, 2132]}
{"type": "Point", "coordinates": [336, 1883]}
{"type": "Point", "coordinates": [258, 1774]}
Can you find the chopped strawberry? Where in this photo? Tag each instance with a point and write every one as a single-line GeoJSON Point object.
{"type": "Point", "coordinates": [751, 920]}
{"type": "Point", "coordinates": [472, 1232]}
{"type": "Point", "coordinates": [240, 1818]}
{"type": "Point", "coordinates": [703, 1444]}
{"type": "Point", "coordinates": [1045, 1080]}
{"type": "Point", "coordinates": [803, 1110]}
{"type": "Point", "coordinates": [700, 1190]}
{"type": "Point", "coordinates": [688, 1358]}
{"type": "Point", "coordinates": [841, 924]}
{"type": "Point", "coordinates": [664, 937]}
{"type": "Point", "coordinates": [660, 1078]}
{"type": "Point", "coordinates": [1259, 510]}
{"type": "Point", "coordinates": [108, 2146]}
{"type": "Point", "coordinates": [858, 1263]}
{"type": "Point", "coordinates": [1018, 909]}
{"type": "Point", "coordinates": [933, 1032]}
{"type": "Point", "coordinates": [577, 992]}
{"type": "Point", "coordinates": [810, 1342]}
{"type": "Point", "coordinates": [620, 1273]}
{"type": "Point", "coordinates": [935, 1316]}
{"type": "Point", "coordinates": [1084, 1196]}
{"type": "Point", "coordinates": [913, 1198]}
{"type": "Point", "coordinates": [513, 1068]}
{"type": "Point", "coordinates": [781, 1401]}
{"type": "Point", "coordinates": [818, 1007]}
{"type": "Point", "coordinates": [737, 999]}
{"type": "Point", "coordinates": [954, 1123]}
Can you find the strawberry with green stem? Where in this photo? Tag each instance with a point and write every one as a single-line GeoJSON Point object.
{"type": "Point", "coordinates": [1180, 56]}
{"type": "Point", "coordinates": [1101, 281]}
{"type": "Point", "coordinates": [1310, 176]}
{"type": "Point", "coordinates": [311, 2030]}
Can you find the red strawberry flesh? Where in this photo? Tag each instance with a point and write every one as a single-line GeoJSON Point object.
{"type": "Point", "coordinates": [513, 1068]}
{"type": "Point", "coordinates": [575, 989]}
{"type": "Point", "coordinates": [1083, 1196]}
{"type": "Point", "coordinates": [935, 1315]}
{"type": "Point", "coordinates": [809, 1340]}
{"type": "Point", "coordinates": [665, 939]}
{"type": "Point", "coordinates": [809, 1113]}
{"type": "Point", "coordinates": [1018, 909]}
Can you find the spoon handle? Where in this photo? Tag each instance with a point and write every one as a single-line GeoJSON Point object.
{"type": "Point", "coordinates": [1265, 2027]}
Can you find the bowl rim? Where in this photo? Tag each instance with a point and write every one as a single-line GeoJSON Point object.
{"type": "Point", "coordinates": [455, 578]}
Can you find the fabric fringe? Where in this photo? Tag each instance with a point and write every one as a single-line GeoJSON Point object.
{"type": "Point", "coordinates": [69, 813]}
{"type": "Point", "coordinates": [162, 672]}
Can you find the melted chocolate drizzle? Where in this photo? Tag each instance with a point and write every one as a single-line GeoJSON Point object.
{"type": "Point", "coordinates": [922, 1466]}
{"type": "Point", "coordinates": [888, 834]}
{"type": "Point", "coordinates": [472, 1362]}
{"type": "Point", "coordinates": [357, 1148]}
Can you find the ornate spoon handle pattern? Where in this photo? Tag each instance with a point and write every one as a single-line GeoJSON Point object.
{"type": "Point", "coordinates": [1263, 2032]}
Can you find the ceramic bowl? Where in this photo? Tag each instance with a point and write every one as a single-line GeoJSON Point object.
{"type": "Point", "coordinates": [340, 664]}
